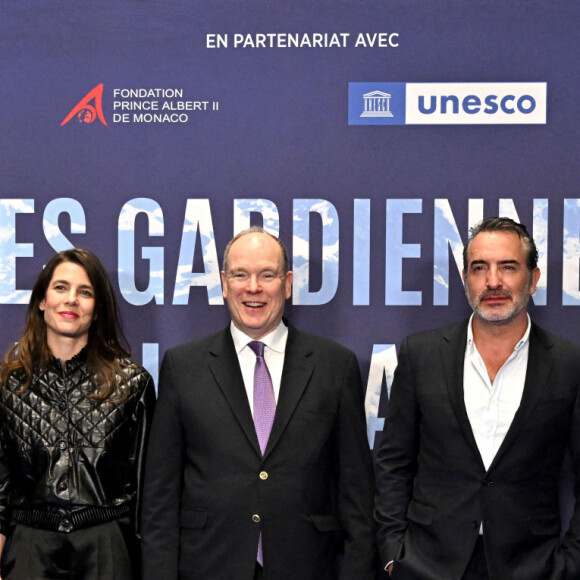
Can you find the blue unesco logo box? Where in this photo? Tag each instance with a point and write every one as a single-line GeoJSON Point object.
{"type": "Point", "coordinates": [376, 103]}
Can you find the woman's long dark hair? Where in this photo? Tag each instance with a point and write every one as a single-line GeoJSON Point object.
{"type": "Point", "coordinates": [106, 346]}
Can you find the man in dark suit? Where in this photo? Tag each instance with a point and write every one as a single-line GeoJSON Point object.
{"type": "Point", "coordinates": [222, 500]}
{"type": "Point", "coordinates": [480, 417]}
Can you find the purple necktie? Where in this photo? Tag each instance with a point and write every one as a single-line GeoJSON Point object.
{"type": "Point", "coordinates": [264, 409]}
{"type": "Point", "coordinates": [264, 400]}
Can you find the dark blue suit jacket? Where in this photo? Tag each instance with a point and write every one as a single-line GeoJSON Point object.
{"type": "Point", "coordinates": [209, 492]}
{"type": "Point", "coordinates": [433, 490]}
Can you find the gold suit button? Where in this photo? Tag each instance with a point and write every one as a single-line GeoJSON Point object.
{"type": "Point", "coordinates": [256, 518]}
{"type": "Point", "coordinates": [263, 475]}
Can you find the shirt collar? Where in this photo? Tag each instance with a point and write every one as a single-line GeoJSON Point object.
{"type": "Point", "coordinates": [276, 340]}
{"type": "Point", "coordinates": [78, 359]}
{"type": "Point", "coordinates": [519, 345]}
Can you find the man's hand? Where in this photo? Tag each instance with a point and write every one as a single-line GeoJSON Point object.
{"type": "Point", "coordinates": [2, 542]}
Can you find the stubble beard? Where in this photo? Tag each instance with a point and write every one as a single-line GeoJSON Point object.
{"type": "Point", "coordinates": [499, 314]}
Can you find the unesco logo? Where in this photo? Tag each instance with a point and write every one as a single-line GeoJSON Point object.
{"type": "Point", "coordinates": [447, 103]}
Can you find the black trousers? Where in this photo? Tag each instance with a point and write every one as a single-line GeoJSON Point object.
{"type": "Point", "coordinates": [105, 552]}
{"type": "Point", "coordinates": [477, 567]}
{"type": "Point", "coordinates": [259, 572]}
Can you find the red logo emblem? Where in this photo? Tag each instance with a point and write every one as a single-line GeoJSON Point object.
{"type": "Point", "coordinates": [87, 112]}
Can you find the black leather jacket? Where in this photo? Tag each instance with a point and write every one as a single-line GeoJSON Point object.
{"type": "Point", "coordinates": [68, 461]}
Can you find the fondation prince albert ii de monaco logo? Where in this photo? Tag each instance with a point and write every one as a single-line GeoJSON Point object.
{"type": "Point", "coordinates": [142, 105]}
{"type": "Point", "coordinates": [89, 108]}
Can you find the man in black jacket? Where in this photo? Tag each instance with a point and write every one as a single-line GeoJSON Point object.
{"type": "Point", "coordinates": [480, 417]}
{"type": "Point", "coordinates": [220, 502]}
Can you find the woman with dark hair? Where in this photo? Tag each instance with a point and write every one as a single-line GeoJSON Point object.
{"type": "Point", "coordinates": [75, 412]}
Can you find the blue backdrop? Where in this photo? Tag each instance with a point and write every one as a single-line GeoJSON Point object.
{"type": "Point", "coordinates": [150, 132]}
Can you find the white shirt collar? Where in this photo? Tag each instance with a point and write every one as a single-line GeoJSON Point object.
{"type": "Point", "coordinates": [276, 340]}
{"type": "Point", "coordinates": [521, 342]}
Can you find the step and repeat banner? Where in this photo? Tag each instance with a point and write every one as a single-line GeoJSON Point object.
{"type": "Point", "coordinates": [369, 135]}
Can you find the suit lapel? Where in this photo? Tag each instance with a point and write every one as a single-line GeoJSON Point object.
{"type": "Point", "coordinates": [537, 374]}
{"type": "Point", "coordinates": [224, 366]}
{"type": "Point", "coordinates": [298, 368]}
{"type": "Point", "coordinates": [453, 360]}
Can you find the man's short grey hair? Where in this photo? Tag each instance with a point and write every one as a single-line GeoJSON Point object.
{"type": "Point", "coordinates": [257, 230]}
{"type": "Point", "coordinates": [504, 224]}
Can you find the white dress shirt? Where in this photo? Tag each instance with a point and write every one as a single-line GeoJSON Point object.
{"type": "Point", "coordinates": [275, 348]}
{"type": "Point", "coordinates": [491, 406]}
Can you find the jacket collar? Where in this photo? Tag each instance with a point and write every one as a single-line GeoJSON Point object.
{"type": "Point", "coordinates": [538, 369]}
{"type": "Point", "coordinates": [296, 373]}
